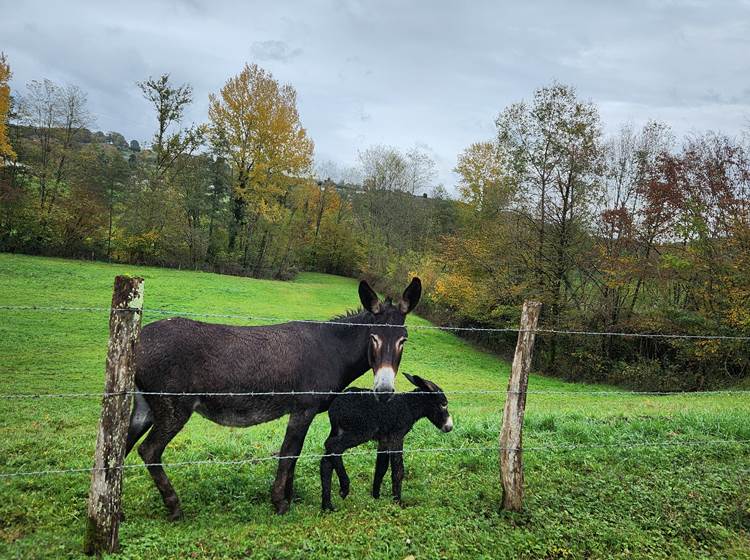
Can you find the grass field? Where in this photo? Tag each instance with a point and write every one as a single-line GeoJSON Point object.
{"type": "Point", "coordinates": [608, 497]}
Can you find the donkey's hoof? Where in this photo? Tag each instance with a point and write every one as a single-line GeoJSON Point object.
{"type": "Point", "coordinates": [376, 494]}
{"type": "Point", "coordinates": [344, 491]}
{"type": "Point", "coordinates": [281, 507]}
{"type": "Point", "coordinates": [176, 515]}
{"type": "Point", "coordinates": [328, 507]}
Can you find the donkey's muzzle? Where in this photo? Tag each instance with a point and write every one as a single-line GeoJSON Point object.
{"type": "Point", "coordinates": [385, 380]}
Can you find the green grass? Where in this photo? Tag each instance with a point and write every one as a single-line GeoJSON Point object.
{"type": "Point", "coordinates": [595, 502]}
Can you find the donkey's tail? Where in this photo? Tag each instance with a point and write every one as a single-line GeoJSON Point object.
{"type": "Point", "coordinates": [141, 419]}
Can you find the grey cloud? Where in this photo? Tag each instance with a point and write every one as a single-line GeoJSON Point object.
{"type": "Point", "coordinates": [274, 50]}
{"type": "Point", "coordinates": [427, 71]}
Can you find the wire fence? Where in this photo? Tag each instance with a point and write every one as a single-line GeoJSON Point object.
{"type": "Point", "coordinates": [373, 452]}
{"type": "Point", "coordinates": [31, 396]}
{"type": "Point", "coordinates": [335, 322]}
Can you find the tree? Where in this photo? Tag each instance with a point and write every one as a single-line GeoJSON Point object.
{"type": "Point", "coordinates": [75, 117]}
{"type": "Point", "coordinates": [117, 140]}
{"type": "Point", "coordinates": [6, 150]}
{"type": "Point", "coordinates": [631, 216]}
{"type": "Point", "coordinates": [554, 145]}
{"type": "Point", "coordinates": [255, 124]}
{"type": "Point", "coordinates": [169, 102]}
{"type": "Point", "coordinates": [390, 207]}
{"type": "Point", "coordinates": [56, 116]}
{"type": "Point", "coordinates": [483, 183]}
{"type": "Point", "coordinates": [101, 169]}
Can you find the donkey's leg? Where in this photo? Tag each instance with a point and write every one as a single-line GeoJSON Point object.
{"type": "Point", "coordinates": [326, 473]}
{"type": "Point", "coordinates": [164, 430]}
{"type": "Point", "coordinates": [381, 467]}
{"type": "Point", "coordinates": [296, 430]}
{"type": "Point", "coordinates": [397, 469]}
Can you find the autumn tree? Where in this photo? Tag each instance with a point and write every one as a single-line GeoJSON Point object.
{"type": "Point", "coordinates": [483, 182]}
{"type": "Point", "coordinates": [629, 218]}
{"type": "Point", "coordinates": [554, 147]}
{"type": "Point", "coordinates": [6, 150]}
{"type": "Point", "coordinates": [171, 141]}
{"type": "Point", "coordinates": [100, 170]}
{"type": "Point", "coordinates": [255, 124]}
{"type": "Point", "coordinates": [481, 260]}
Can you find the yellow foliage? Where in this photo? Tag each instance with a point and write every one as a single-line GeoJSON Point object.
{"type": "Point", "coordinates": [254, 120]}
{"type": "Point", "coordinates": [6, 151]}
{"type": "Point", "coordinates": [483, 183]}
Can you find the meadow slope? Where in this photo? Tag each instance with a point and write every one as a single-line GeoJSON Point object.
{"type": "Point", "coordinates": [604, 496]}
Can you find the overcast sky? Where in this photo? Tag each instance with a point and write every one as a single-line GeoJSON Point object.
{"type": "Point", "coordinates": [433, 73]}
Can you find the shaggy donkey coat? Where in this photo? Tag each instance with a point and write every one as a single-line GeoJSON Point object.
{"type": "Point", "coordinates": [358, 416]}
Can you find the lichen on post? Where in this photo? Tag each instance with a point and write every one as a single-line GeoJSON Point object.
{"type": "Point", "coordinates": [105, 495]}
{"type": "Point", "coordinates": [511, 452]}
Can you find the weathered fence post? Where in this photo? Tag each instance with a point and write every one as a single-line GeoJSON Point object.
{"type": "Point", "coordinates": [511, 454]}
{"type": "Point", "coordinates": [104, 506]}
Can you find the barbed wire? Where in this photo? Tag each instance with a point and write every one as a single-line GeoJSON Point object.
{"type": "Point", "coordinates": [306, 456]}
{"type": "Point", "coordinates": [183, 313]}
{"type": "Point", "coordinates": [10, 396]}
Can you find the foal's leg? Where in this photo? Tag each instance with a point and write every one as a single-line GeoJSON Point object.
{"type": "Point", "coordinates": [397, 469]}
{"type": "Point", "coordinates": [165, 429]}
{"type": "Point", "coordinates": [327, 464]}
{"type": "Point", "coordinates": [381, 467]}
{"type": "Point", "coordinates": [338, 464]}
{"type": "Point", "coordinates": [334, 450]}
{"type": "Point", "coordinates": [296, 430]}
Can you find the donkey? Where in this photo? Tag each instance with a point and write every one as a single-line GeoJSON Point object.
{"type": "Point", "coordinates": [357, 416]}
{"type": "Point", "coordinates": [184, 356]}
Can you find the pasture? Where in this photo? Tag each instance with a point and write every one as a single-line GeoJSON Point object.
{"type": "Point", "coordinates": [607, 476]}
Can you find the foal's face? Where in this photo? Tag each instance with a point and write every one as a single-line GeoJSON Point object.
{"type": "Point", "coordinates": [388, 335]}
{"type": "Point", "coordinates": [438, 414]}
{"type": "Point", "coordinates": [437, 402]}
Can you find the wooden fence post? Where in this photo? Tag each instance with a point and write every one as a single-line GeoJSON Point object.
{"type": "Point", "coordinates": [104, 506]}
{"type": "Point", "coordinates": [511, 454]}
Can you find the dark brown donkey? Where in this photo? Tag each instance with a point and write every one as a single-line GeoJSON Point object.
{"type": "Point", "coordinates": [184, 356]}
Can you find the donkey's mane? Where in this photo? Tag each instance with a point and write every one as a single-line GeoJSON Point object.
{"type": "Point", "coordinates": [350, 314]}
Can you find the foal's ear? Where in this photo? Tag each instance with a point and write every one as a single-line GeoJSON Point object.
{"type": "Point", "coordinates": [414, 379]}
{"type": "Point", "coordinates": [410, 298]}
{"type": "Point", "coordinates": [369, 298]}
{"type": "Point", "coordinates": [424, 384]}
{"type": "Point", "coordinates": [430, 386]}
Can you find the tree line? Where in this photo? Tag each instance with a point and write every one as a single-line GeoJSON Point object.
{"type": "Point", "coordinates": [633, 232]}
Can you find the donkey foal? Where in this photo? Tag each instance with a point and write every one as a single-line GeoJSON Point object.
{"type": "Point", "coordinates": [358, 416]}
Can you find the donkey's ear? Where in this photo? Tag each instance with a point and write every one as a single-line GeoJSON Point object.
{"type": "Point", "coordinates": [410, 298]}
{"type": "Point", "coordinates": [369, 298]}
